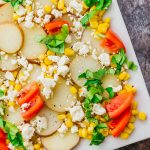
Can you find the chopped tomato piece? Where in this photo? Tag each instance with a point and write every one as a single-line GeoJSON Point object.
{"type": "Point", "coordinates": [3, 146]}
{"type": "Point", "coordinates": [28, 93]}
{"type": "Point", "coordinates": [112, 43]}
{"type": "Point", "coordinates": [2, 135]}
{"type": "Point", "coordinates": [116, 106]}
{"type": "Point", "coordinates": [36, 103]}
{"type": "Point", "coordinates": [55, 26]}
{"type": "Point", "coordinates": [117, 125]}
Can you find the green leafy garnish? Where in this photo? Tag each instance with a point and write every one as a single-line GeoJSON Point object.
{"type": "Point", "coordinates": [15, 3]}
{"type": "Point", "coordinates": [110, 92]}
{"type": "Point", "coordinates": [2, 109]}
{"type": "Point", "coordinates": [131, 65]}
{"type": "Point", "coordinates": [13, 133]}
{"type": "Point", "coordinates": [100, 5]}
{"type": "Point", "coordinates": [56, 42]}
{"type": "Point", "coordinates": [98, 138]}
{"type": "Point", "coordinates": [1, 93]}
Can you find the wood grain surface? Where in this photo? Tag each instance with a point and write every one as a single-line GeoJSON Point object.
{"type": "Point", "coordinates": [136, 14]}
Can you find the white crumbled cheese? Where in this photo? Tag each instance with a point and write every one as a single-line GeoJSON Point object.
{"type": "Point", "coordinates": [63, 129]}
{"type": "Point", "coordinates": [9, 76]}
{"type": "Point", "coordinates": [21, 11]}
{"type": "Point", "coordinates": [51, 69]}
{"type": "Point", "coordinates": [63, 70]}
{"type": "Point", "coordinates": [94, 54]}
{"type": "Point", "coordinates": [11, 95]}
{"type": "Point", "coordinates": [27, 131]}
{"type": "Point", "coordinates": [37, 20]}
{"type": "Point", "coordinates": [75, 5]}
{"type": "Point", "coordinates": [74, 129]}
{"type": "Point", "coordinates": [56, 13]}
{"type": "Point", "coordinates": [40, 12]}
{"type": "Point", "coordinates": [54, 58]}
{"type": "Point", "coordinates": [83, 92]}
{"type": "Point", "coordinates": [11, 147]}
{"type": "Point", "coordinates": [6, 83]}
{"type": "Point", "coordinates": [104, 59]}
{"type": "Point", "coordinates": [2, 53]}
{"type": "Point", "coordinates": [24, 106]}
{"type": "Point", "coordinates": [76, 113]}
{"type": "Point", "coordinates": [28, 2]}
{"type": "Point", "coordinates": [30, 67]}
{"type": "Point", "coordinates": [11, 109]}
{"type": "Point", "coordinates": [46, 92]}
{"type": "Point", "coordinates": [46, 19]}
{"type": "Point", "coordinates": [68, 39]}
{"type": "Point", "coordinates": [13, 61]}
{"type": "Point", "coordinates": [40, 123]}
{"type": "Point", "coordinates": [77, 25]}
{"type": "Point", "coordinates": [29, 145]}
{"type": "Point", "coordinates": [29, 16]}
{"type": "Point", "coordinates": [1, 111]}
{"type": "Point", "coordinates": [29, 24]}
{"type": "Point", "coordinates": [21, 19]}
{"type": "Point", "coordinates": [22, 61]}
{"type": "Point", "coordinates": [98, 109]}
{"type": "Point", "coordinates": [64, 60]}
{"type": "Point", "coordinates": [47, 82]}
{"type": "Point", "coordinates": [6, 57]}
{"type": "Point", "coordinates": [117, 88]}
{"type": "Point", "coordinates": [56, 77]}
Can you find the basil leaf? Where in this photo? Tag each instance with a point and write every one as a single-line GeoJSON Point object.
{"type": "Point", "coordinates": [1, 93]}
{"type": "Point", "coordinates": [110, 91]}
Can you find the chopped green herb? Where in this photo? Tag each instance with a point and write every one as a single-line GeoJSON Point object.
{"type": "Point", "coordinates": [15, 3]}
{"type": "Point", "coordinates": [2, 109]}
{"type": "Point", "coordinates": [110, 91]}
{"type": "Point", "coordinates": [131, 65]}
{"type": "Point", "coordinates": [1, 93]}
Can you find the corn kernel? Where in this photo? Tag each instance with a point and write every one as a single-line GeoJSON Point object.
{"type": "Point", "coordinates": [124, 135]}
{"type": "Point", "coordinates": [86, 123]}
{"type": "Point", "coordinates": [69, 52]}
{"type": "Point", "coordinates": [61, 116]}
{"type": "Point", "coordinates": [98, 117]}
{"type": "Point", "coordinates": [54, 1]}
{"type": "Point", "coordinates": [121, 92]}
{"type": "Point", "coordinates": [10, 103]}
{"type": "Point", "coordinates": [64, 10]}
{"type": "Point", "coordinates": [42, 56]}
{"type": "Point", "coordinates": [47, 8]}
{"type": "Point", "coordinates": [107, 20]}
{"type": "Point", "coordinates": [90, 130]}
{"type": "Point", "coordinates": [130, 88]}
{"type": "Point", "coordinates": [142, 116]}
{"type": "Point", "coordinates": [92, 8]}
{"type": "Point", "coordinates": [12, 83]}
{"type": "Point", "coordinates": [131, 126]}
{"type": "Point", "coordinates": [105, 132]}
{"type": "Point", "coordinates": [69, 116]}
{"type": "Point", "coordinates": [132, 119]}
{"type": "Point", "coordinates": [47, 61]}
{"type": "Point", "coordinates": [7, 141]}
{"type": "Point", "coordinates": [73, 90]}
{"type": "Point", "coordinates": [84, 133]}
{"type": "Point", "coordinates": [135, 112]}
{"type": "Point", "coordinates": [113, 65]}
{"type": "Point", "coordinates": [15, 73]}
{"type": "Point", "coordinates": [124, 76]}
{"type": "Point", "coordinates": [37, 146]}
{"type": "Point", "coordinates": [101, 13]}
{"type": "Point", "coordinates": [80, 132]}
{"type": "Point", "coordinates": [15, 17]}
{"type": "Point", "coordinates": [127, 130]}
{"type": "Point", "coordinates": [29, 8]}
{"type": "Point", "coordinates": [17, 87]}
{"type": "Point", "coordinates": [84, 5]}
{"type": "Point", "coordinates": [89, 137]}
{"type": "Point", "coordinates": [93, 24]}
{"type": "Point", "coordinates": [48, 76]}
{"type": "Point", "coordinates": [61, 4]}
{"type": "Point", "coordinates": [102, 119]}
{"type": "Point", "coordinates": [68, 123]}
{"type": "Point", "coordinates": [102, 28]}
{"type": "Point", "coordinates": [92, 124]}
{"type": "Point", "coordinates": [49, 52]}
{"type": "Point", "coordinates": [134, 104]}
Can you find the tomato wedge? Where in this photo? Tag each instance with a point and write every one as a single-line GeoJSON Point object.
{"type": "Point", "coordinates": [28, 93]}
{"type": "Point", "coordinates": [117, 125]}
{"type": "Point", "coordinates": [36, 103]}
{"type": "Point", "coordinates": [2, 135]}
{"type": "Point", "coordinates": [112, 43]}
{"type": "Point", "coordinates": [3, 146]}
{"type": "Point", "coordinates": [55, 26]}
{"type": "Point", "coordinates": [116, 106]}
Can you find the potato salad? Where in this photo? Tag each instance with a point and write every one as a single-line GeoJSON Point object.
{"type": "Point", "coordinates": [64, 76]}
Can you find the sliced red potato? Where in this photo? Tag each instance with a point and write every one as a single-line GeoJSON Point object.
{"type": "Point", "coordinates": [88, 36]}
{"type": "Point", "coordinates": [31, 48]}
{"type": "Point", "coordinates": [12, 40]}
{"type": "Point", "coordinates": [58, 142]}
{"type": "Point", "coordinates": [6, 13]}
{"type": "Point", "coordinates": [62, 97]}
{"type": "Point", "coordinates": [52, 121]}
{"type": "Point", "coordinates": [7, 64]}
{"type": "Point", "coordinates": [110, 81]}
{"type": "Point", "coordinates": [14, 117]}
{"type": "Point", "coordinates": [79, 65]}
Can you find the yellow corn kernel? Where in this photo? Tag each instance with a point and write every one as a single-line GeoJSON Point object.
{"type": "Point", "coordinates": [73, 90]}
{"type": "Point", "coordinates": [102, 119]}
{"type": "Point", "coordinates": [102, 28]}
{"type": "Point", "coordinates": [54, 1]}
{"type": "Point", "coordinates": [142, 116]}
{"type": "Point", "coordinates": [7, 141]}
{"type": "Point", "coordinates": [37, 146]}
{"type": "Point", "coordinates": [105, 132]}
{"type": "Point", "coordinates": [15, 17]}
{"type": "Point", "coordinates": [61, 116]}
{"type": "Point", "coordinates": [64, 10]}
{"type": "Point", "coordinates": [92, 124]}
{"type": "Point", "coordinates": [134, 104]}
{"type": "Point", "coordinates": [127, 130]}
{"type": "Point", "coordinates": [80, 132]}
{"type": "Point", "coordinates": [98, 117]}
{"type": "Point", "coordinates": [69, 116]}
{"type": "Point", "coordinates": [42, 56]}
{"type": "Point", "coordinates": [121, 92]}
{"type": "Point", "coordinates": [113, 65]}
{"type": "Point", "coordinates": [68, 123]}
{"type": "Point", "coordinates": [135, 112]}
{"type": "Point", "coordinates": [93, 24]}
{"type": "Point", "coordinates": [84, 132]}
{"type": "Point", "coordinates": [107, 20]}
{"type": "Point", "coordinates": [86, 123]}
{"type": "Point", "coordinates": [69, 52]}
{"type": "Point", "coordinates": [130, 88]}
{"type": "Point", "coordinates": [89, 137]}
{"type": "Point", "coordinates": [12, 83]}
{"type": "Point", "coordinates": [101, 13]}
{"type": "Point", "coordinates": [50, 53]}
{"type": "Point", "coordinates": [124, 76]}
{"type": "Point", "coordinates": [124, 135]}
{"type": "Point", "coordinates": [90, 130]}
{"type": "Point", "coordinates": [47, 9]}
{"type": "Point", "coordinates": [17, 87]}
{"type": "Point", "coordinates": [47, 61]}
{"type": "Point", "coordinates": [48, 76]}
{"type": "Point", "coordinates": [131, 126]}
{"type": "Point", "coordinates": [15, 73]}
{"type": "Point", "coordinates": [44, 66]}
{"type": "Point", "coordinates": [92, 8]}
{"type": "Point", "coordinates": [61, 4]}
{"type": "Point", "coordinates": [10, 103]}
{"type": "Point", "coordinates": [96, 35]}
{"type": "Point", "coordinates": [29, 8]}
{"type": "Point", "coordinates": [132, 119]}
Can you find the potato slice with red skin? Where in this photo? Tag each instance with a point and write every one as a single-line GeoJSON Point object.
{"type": "Point", "coordinates": [58, 142]}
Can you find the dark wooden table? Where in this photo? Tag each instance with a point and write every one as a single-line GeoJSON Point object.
{"type": "Point", "coordinates": [136, 14]}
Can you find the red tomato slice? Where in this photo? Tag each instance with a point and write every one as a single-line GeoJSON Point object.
{"type": "Point", "coordinates": [3, 146]}
{"type": "Point", "coordinates": [117, 125]}
{"type": "Point", "coordinates": [55, 26]}
{"type": "Point", "coordinates": [36, 103]}
{"type": "Point", "coordinates": [119, 104]}
{"type": "Point", "coordinates": [26, 94]}
{"type": "Point", "coordinates": [2, 135]}
{"type": "Point", "coordinates": [112, 43]}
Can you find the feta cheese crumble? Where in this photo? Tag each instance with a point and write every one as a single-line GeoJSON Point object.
{"type": "Point", "coordinates": [63, 129]}
{"type": "Point", "coordinates": [117, 88]}
{"type": "Point", "coordinates": [98, 109]}
{"type": "Point", "coordinates": [9, 76]}
{"type": "Point", "coordinates": [74, 129]}
{"type": "Point", "coordinates": [104, 59]}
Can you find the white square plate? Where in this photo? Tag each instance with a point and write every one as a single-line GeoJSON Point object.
{"type": "Point", "coordinates": [142, 130]}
